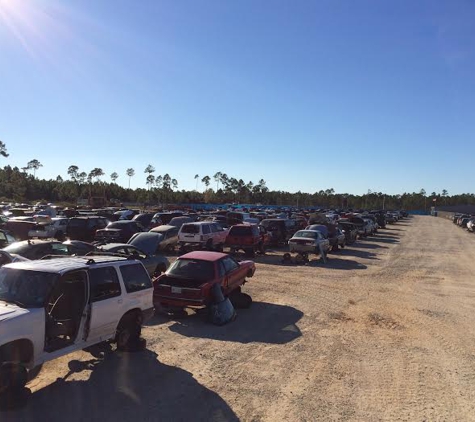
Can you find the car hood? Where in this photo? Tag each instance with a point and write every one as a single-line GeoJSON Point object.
{"type": "Point", "coordinates": [147, 242]}
{"type": "Point", "coordinates": [9, 310]}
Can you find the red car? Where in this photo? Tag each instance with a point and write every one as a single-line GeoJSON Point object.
{"type": "Point", "coordinates": [189, 280]}
{"type": "Point", "coordinates": [248, 237]}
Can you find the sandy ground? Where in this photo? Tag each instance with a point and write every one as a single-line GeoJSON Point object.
{"type": "Point", "coordinates": [384, 331]}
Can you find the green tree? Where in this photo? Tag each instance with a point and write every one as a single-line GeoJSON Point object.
{"type": "Point", "coordinates": [197, 176]}
{"type": "Point", "coordinates": [217, 178]}
{"type": "Point", "coordinates": [73, 172]}
{"type": "Point", "coordinates": [206, 180]}
{"type": "Point", "coordinates": [34, 165]}
{"type": "Point", "coordinates": [114, 176]}
{"type": "Point", "coordinates": [97, 173]}
{"type": "Point", "coordinates": [3, 149]}
{"type": "Point", "coordinates": [130, 173]}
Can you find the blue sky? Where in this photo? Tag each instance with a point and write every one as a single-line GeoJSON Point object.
{"type": "Point", "coordinates": [308, 95]}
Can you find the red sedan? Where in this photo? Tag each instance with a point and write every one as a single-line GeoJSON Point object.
{"type": "Point", "coordinates": [188, 281]}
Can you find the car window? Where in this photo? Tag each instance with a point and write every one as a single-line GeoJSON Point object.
{"type": "Point", "coordinates": [60, 249]}
{"type": "Point", "coordinates": [136, 253]}
{"type": "Point", "coordinates": [206, 229]}
{"type": "Point", "coordinates": [221, 269]}
{"type": "Point", "coordinates": [3, 236]}
{"type": "Point", "coordinates": [135, 278]}
{"type": "Point", "coordinates": [229, 264]}
{"type": "Point", "coordinates": [190, 228]}
{"type": "Point", "coordinates": [104, 283]}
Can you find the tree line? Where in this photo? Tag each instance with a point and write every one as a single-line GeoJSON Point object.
{"type": "Point", "coordinates": [19, 185]}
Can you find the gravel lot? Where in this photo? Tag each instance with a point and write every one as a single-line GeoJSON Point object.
{"type": "Point", "coordinates": [384, 331]}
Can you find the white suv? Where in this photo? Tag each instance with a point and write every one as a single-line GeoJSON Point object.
{"type": "Point", "coordinates": [50, 308]}
{"type": "Point", "coordinates": [203, 234]}
{"type": "Point", "coordinates": [56, 228]}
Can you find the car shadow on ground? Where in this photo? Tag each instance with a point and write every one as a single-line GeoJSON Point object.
{"type": "Point", "coordinates": [383, 239]}
{"type": "Point", "coordinates": [361, 244]}
{"type": "Point", "coordinates": [261, 323]}
{"type": "Point", "coordinates": [337, 263]}
{"type": "Point", "coordinates": [357, 253]}
{"type": "Point", "coordinates": [124, 387]}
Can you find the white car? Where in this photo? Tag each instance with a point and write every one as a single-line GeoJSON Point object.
{"type": "Point", "coordinates": [56, 228]}
{"type": "Point", "coordinates": [50, 308]}
{"type": "Point", "coordinates": [202, 234]}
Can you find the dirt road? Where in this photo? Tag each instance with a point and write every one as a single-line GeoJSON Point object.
{"type": "Point", "coordinates": [384, 331]}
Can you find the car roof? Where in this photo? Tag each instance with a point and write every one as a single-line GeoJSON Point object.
{"type": "Point", "coordinates": [204, 255]}
{"type": "Point", "coordinates": [62, 265]}
{"type": "Point", "coordinates": [163, 228]}
{"type": "Point", "coordinates": [109, 246]}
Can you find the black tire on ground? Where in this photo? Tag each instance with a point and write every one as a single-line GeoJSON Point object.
{"type": "Point", "coordinates": [34, 372]}
{"type": "Point", "coordinates": [250, 252]}
{"type": "Point", "coordinates": [334, 248]}
{"type": "Point", "coordinates": [287, 257]}
{"type": "Point", "coordinates": [13, 376]}
{"type": "Point", "coordinates": [343, 245]}
{"type": "Point", "coordinates": [262, 248]}
{"type": "Point", "coordinates": [128, 331]}
{"type": "Point", "coordinates": [240, 300]}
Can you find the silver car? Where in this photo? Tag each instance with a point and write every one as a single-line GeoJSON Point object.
{"type": "Point", "coordinates": [309, 241]}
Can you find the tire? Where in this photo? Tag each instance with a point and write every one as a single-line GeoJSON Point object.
{"type": "Point", "coordinates": [209, 245]}
{"type": "Point", "coordinates": [342, 246]}
{"type": "Point", "coordinates": [34, 372]}
{"type": "Point", "coordinates": [59, 235]}
{"type": "Point", "coordinates": [128, 332]}
{"type": "Point", "coordinates": [262, 248]}
{"type": "Point", "coordinates": [13, 376]}
{"type": "Point", "coordinates": [240, 300]}
{"type": "Point", "coordinates": [169, 249]}
{"type": "Point", "coordinates": [250, 252]}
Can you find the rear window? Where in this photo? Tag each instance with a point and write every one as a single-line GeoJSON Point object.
{"type": "Point", "coordinates": [190, 228]}
{"type": "Point", "coordinates": [193, 269]}
{"type": "Point", "coordinates": [135, 278]}
{"type": "Point", "coordinates": [77, 222]}
{"type": "Point", "coordinates": [240, 231]}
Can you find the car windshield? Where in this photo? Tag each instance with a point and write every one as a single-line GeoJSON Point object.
{"type": "Point", "coordinates": [192, 268]}
{"type": "Point", "coordinates": [25, 288]}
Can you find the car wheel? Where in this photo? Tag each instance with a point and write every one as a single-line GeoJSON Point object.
{"type": "Point", "coordinates": [209, 245]}
{"type": "Point", "coordinates": [59, 235]}
{"type": "Point", "coordinates": [128, 332]}
{"type": "Point", "coordinates": [13, 376]}
{"type": "Point", "coordinates": [343, 245]}
{"type": "Point", "coordinates": [34, 372]}
{"type": "Point", "coordinates": [250, 252]}
{"type": "Point", "coordinates": [169, 249]}
{"type": "Point", "coordinates": [240, 300]}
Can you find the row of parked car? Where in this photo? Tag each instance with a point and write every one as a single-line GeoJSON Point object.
{"type": "Point", "coordinates": [465, 221]}
{"type": "Point", "coordinates": [105, 290]}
